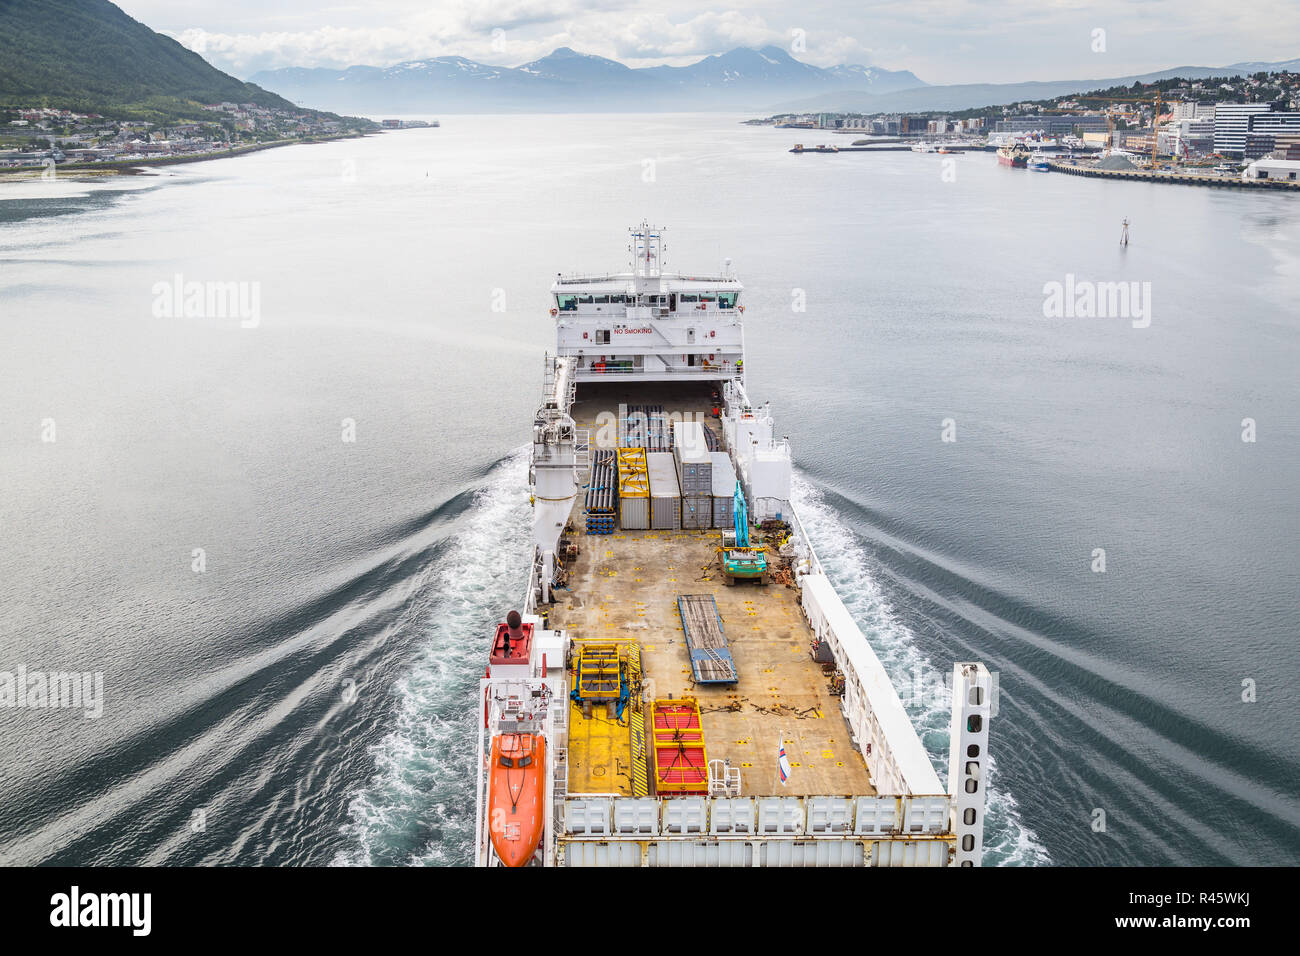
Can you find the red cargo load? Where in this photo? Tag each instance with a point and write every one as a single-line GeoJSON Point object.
{"type": "Point", "coordinates": [680, 763]}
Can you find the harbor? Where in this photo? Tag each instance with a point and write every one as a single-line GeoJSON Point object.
{"type": "Point", "coordinates": [1177, 177]}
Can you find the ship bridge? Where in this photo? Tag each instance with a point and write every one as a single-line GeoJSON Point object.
{"type": "Point", "coordinates": [648, 324]}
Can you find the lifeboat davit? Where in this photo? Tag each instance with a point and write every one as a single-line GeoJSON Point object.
{"type": "Point", "coordinates": [516, 797]}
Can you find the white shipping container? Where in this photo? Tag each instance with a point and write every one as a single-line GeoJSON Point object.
{"type": "Point", "coordinates": [689, 443]}
{"type": "Point", "coordinates": [724, 475]}
{"type": "Point", "coordinates": [724, 490]}
{"type": "Point", "coordinates": [691, 453]}
{"type": "Point", "coordinates": [665, 492]}
{"type": "Point", "coordinates": [634, 513]}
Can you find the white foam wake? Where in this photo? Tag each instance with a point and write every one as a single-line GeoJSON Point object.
{"type": "Point", "coordinates": [1007, 840]}
{"type": "Point", "coordinates": [418, 806]}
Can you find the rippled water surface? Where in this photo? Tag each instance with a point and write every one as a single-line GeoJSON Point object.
{"type": "Point", "coordinates": [309, 696]}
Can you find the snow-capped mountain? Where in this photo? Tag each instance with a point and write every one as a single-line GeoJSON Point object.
{"type": "Point", "coordinates": [566, 81]}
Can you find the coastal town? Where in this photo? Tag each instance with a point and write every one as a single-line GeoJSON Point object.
{"type": "Point", "coordinates": [45, 136]}
{"type": "Point", "coordinates": [1245, 128]}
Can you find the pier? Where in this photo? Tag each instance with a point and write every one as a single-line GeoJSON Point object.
{"type": "Point", "coordinates": [880, 149]}
{"type": "Point", "coordinates": [1169, 176]}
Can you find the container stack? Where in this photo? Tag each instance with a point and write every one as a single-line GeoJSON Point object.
{"type": "Point", "coordinates": [710, 439]}
{"type": "Point", "coordinates": [644, 426]}
{"type": "Point", "coordinates": [697, 512]}
{"type": "Point", "coordinates": [633, 490]}
{"type": "Point", "coordinates": [665, 491]}
{"type": "Point", "coordinates": [694, 473]}
{"type": "Point", "coordinates": [601, 493]}
{"type": "Point", "coordinates": [724, 490]}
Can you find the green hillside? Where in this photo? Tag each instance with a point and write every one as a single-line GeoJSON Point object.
{"type": "Point", "coordinates": [89, 56]}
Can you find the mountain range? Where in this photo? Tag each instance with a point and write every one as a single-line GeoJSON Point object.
{"type": "Point", "coordinates": [89, 56]}
{"type": "Point", "coordinates": [568, 81]}
{"type": "Point", "coordinates": [974, 95]}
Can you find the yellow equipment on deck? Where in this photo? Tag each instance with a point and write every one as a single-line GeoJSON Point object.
{"type": "Point", "coordinates": [598, 674]}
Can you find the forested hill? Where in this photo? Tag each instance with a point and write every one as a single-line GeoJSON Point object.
{"type": "Point", "coordinates": [89, 56]}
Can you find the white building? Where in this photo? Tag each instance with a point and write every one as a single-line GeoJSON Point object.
{"type": "Point", "coordinates": [1232, 123]}
{"type": "Point", "coordinates": [1190, 110]}
{"type": "Point", "coordinates": [1284, 169]}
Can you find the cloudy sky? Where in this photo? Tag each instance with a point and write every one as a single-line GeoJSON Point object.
{"type": "Point", "coordinates": [941, 41]}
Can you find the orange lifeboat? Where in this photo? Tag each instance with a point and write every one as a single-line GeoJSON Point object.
{"type": "Point", "coordinates": [516, 796]}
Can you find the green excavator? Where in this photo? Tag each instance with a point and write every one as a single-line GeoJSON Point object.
{"type": "Point", "coordinates": [740, 561]}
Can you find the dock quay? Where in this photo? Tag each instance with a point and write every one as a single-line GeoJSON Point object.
{"type": "Point", "coordinates": [799, 148]}
{"type": "Point", "coordinates": [1160, 176]}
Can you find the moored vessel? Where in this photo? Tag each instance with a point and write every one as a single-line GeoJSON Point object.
{"type": "Point", "coordinates": [1013, 154]}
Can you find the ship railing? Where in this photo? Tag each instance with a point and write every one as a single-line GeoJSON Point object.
{"type": "Point", "coordinates": [579, 278]}
{"type": "Point", "coordinates": [482, 856]}
{"type": "Point", "coordinates": [582, 455]}
{"type": "Point", "coordinates": [817, 830]}
{"type": "Point", "coordinates": [534, 583]}
{"type": "Point", "coordinates": [881, 728]}
{"type": "Point", "coordinates": [685, 371]}
{"type": "Point", "coordinates": [806, 561]}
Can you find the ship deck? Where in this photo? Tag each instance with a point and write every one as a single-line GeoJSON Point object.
{"type": "Point", "coordinates": [624, 587]}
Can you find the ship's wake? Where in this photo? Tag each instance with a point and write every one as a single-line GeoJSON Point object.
{"type": "Point", "coordinates": [1007, 840]}
{"type": "Point", "coordinates": [417, 807]}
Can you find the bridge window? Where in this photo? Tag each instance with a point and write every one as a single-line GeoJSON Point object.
{"type": "Point", "coordinates": [566, 303]}
{"type": "Point", "coordinates": [727, 300]}
{"type": "Point", "coordinates": [689, 298]}
{"type": "Point", "coordinates": [584, 300]}
{"type": "Point", "coordinates": [602, 300]}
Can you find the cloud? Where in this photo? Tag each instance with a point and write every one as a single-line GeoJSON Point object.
{"type": "Point", "coordinates": [940, 40]}
{"type": "Point", "coordinates": [512, 32]}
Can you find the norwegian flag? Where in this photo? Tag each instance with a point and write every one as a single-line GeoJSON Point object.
{"type": "Point", "coordinates": [783, 763]}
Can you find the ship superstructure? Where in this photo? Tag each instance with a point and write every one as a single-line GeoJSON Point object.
{"type": "Point", "coordinates": [660, 701]}
{"type": "Point", "coordinates": [1014, 154]}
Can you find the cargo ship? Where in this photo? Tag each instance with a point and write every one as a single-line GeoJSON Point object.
{"type": "Point", "coordinates": [1013, 154]}
{"type": "Point", "coordinates": [681, 684]}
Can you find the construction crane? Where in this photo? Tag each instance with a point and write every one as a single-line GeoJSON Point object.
{"type": "Point", "coordinates": [1110, 119]}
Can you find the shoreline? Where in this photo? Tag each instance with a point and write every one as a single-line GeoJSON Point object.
{"type": "Point", "coordinates": [1170, 176]}
{"type": "Point", "coordinates": [134, 167]}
